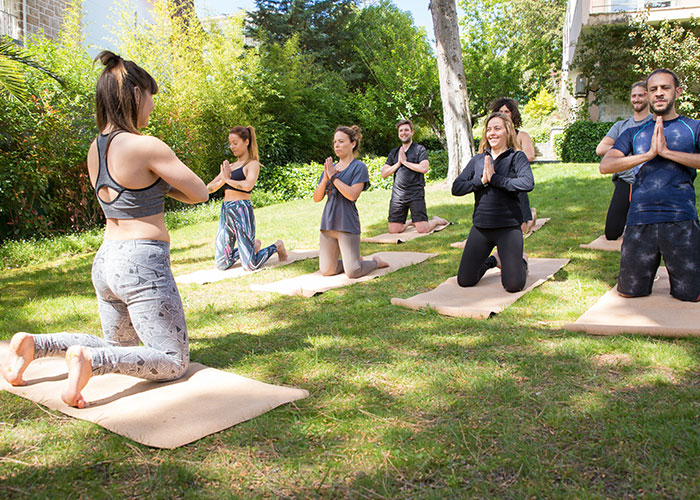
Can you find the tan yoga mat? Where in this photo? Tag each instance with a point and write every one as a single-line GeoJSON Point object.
{"type": "Point", "coordinates": [212, 275]}
{"type": "Point", "coordinates": [600, 243]}
{"type": "Point", "coordinates": [658, 314]}
{"type": "Point", "coordinates": [309, 285]}
{"type": "Point", "coordinates": [411, 233]}
{"type": "Point", "coordinates": [158, 414]}
{"type": "Point", "coordinates": [486, 298]}
{"type": "Point", "coordinates": [538, 225]}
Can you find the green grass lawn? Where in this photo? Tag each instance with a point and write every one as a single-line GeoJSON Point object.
{"type": "Point", "coordinates": [402, 404]}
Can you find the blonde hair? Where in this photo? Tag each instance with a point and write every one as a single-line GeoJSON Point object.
{"type": "Point", "coordinates": [511, 136]}
{"type": "Point", "coordinates": [247, 134]}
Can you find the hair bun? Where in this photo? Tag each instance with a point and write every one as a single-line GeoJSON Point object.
{"type": "Point", "coordinates": [109, 59]}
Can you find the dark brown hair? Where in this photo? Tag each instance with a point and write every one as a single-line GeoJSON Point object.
{"type": "Point", "coordinates": [676, 82]}
{"type": "Point", "coordinates": [405, 122]}
{"type": "Point", "coordinates": [512, 106]}
{"type": "Point", "coordinates": [640, 83]}
{"type": "Point", "coordinates": [115, 97]}
{"type": "Point", "coordinates": [354, 133]}
{"type": "Point", "coordinates": [247, 134]}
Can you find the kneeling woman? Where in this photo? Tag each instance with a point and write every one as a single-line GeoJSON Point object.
{"type": "Point", "coordinates": [137, 298]}
{"type": "Point", "coordinates": [496, 176]}
{"type": "Point", "coordinates": [343, 182]}
{"type": "Point", "coordinates": [237, 221]}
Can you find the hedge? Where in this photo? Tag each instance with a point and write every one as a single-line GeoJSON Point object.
{"type": "Point", "coordinates": [580, 140]}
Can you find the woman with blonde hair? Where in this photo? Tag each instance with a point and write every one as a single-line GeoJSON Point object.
{"type": "Point", "coordinates": [237, 220]}
{"type": "Point", "coordinates": [342, 183]}
{"type": "Point", "coordinates": [496, 176]}
{"type": "Point", "coordinates": [137, 297]}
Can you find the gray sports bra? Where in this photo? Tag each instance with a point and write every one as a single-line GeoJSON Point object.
{"type": "Point", "coordinates": [129, 203]}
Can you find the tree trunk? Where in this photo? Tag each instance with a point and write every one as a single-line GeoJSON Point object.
{"type": "Point", "coordinates": [453, 86]}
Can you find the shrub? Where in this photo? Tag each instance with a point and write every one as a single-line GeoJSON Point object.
{"type": "Point", "coordinates": [543, 104]}
{"type": "Point", "coordinates": [439, 161]}
{"type": "Point", "coordinates": [580, 140]}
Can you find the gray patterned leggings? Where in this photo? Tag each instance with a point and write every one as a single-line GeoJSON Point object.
{"type": "Point", "coordinates": [138, 302]}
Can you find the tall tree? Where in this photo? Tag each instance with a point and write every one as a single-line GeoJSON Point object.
{"type": "Point", "coordinates": [453, 86]}
{"type": "Point", "coordinates": [403, 81]}
{"type": "Point", "coordinates": [323, 28]}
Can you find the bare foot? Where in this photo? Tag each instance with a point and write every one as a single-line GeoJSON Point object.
{"type": "Point", "coordinates": [440, 221]}
{"type": "Point", "coordinates": [257, 246]}
{"type": "Point", "coordinates": [79, 372]}
{"type": "Point", "coordinates": [281, 250]}
{"type": "Point", "coordinates": [21, 354]}
{"type": "Point", "coordinates": [380, 262]}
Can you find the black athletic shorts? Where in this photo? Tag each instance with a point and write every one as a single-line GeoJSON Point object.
{"type": "Point", "coordinates": [644, 245]}
{"type": "Point", "coordinates": [398, 210]}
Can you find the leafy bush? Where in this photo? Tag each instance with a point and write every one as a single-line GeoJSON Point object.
{"type": "Point", "coordinates": [431, 143]}
{"type": "Point", "coordinates": [543, 104]}
{"type": "Point", "coordinates": [580, 139]}
{"type": "Point", "coordinates": [439, 162]}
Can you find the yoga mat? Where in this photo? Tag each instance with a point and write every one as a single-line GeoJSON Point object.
{"type": "Point", "coordinates": [309, 285]}
{"type": "Point", "coordinates": [486, 298]}
{"type": "Point", "coordinates": [600, 243]}
{"type": "Point", "coordinates": [411, 233]}
{"type": "Point", "coordinates": [657, 314]}
{"type": "Point", "coordinates": [158, 414]}
{"type": "Point", "coordinates": [538, 224]}
{"type": "Point", "coordinates": [212, 275]}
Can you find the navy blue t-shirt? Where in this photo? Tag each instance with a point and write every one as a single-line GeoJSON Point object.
{"type": "Point", "coordinates": [340, 214]}
{"type": "Point", "coordinates": [663, 189]}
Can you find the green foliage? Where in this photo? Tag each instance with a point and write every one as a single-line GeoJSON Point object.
{"type": "Point", "coordinates": [510, 48]}
{"type": "Point", "coordinates": [674, 45]}
{"type": "Point", "coordinates": [439, 162]}
{"type": "Point", "coordinates": [580, 139]}
{"type": "Point", "coordinates": [403, 80]}
{"type": "Point", "coordinates": [543, 104]}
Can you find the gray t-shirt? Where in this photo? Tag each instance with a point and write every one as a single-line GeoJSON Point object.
{"type": "Point", "coordinates": [614, 133]}
{"type": "Point", "coordinates": [340, 214]}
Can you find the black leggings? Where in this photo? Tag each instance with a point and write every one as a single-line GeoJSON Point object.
{"type": "Point", "coordinates": [617, 212]}
{"type": "Point", "coordinates": [476, 261]}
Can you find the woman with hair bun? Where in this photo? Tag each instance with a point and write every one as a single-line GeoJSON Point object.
{"type": "Point", "coordinates": [342, 183]}
{"type": "Point", "coordinates": [137, 297]}
{"type": "Point", "coordinates": [237, 220]}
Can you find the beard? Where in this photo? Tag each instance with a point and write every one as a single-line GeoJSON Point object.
{"type": "Point", "coordinates": [665, 109]}
{"type": "Point", "coordinates": [639, 107]}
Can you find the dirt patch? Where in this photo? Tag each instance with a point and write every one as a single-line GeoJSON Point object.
{"type": "Point", "coordinates": [605, 360]}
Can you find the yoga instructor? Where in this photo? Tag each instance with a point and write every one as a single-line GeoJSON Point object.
{"type": "Point", "coordinates": [137, 297]}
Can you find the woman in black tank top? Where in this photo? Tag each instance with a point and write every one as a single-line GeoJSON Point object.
{"type": "Point", "coordinates": [235, 238]}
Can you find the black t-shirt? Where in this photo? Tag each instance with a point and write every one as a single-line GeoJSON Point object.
{"type": "Point", "coordinates": [496, 205]}
{"type": "Point", "coordinates": [408, 184]}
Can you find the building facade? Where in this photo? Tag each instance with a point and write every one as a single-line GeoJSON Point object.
{"type": "Point", "coordinates": [582, 15]}
{"type": "Point", "coordinates": [22, 18]}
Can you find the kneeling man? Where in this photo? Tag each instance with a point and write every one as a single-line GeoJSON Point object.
{"type": "Point", "coordinates": [409, 164]}
{"type": "Point", "coordinates": [662, 220]}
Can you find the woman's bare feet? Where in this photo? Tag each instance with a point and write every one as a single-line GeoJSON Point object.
{"type": "Point", "coordinates": [380, 262]}
{"type": "Point", "coordinates": [439, 221]}
{"type": "Point", "coordinates": [79, 364]}
{"type": "Point", "coordinates": [281, 250]}
{"type": "Point", "coordinates": [257, 246]}
{"type": "Point", "coordinates": [21, 354]}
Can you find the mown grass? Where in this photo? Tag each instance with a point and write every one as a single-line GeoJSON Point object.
{"type": "Point", "coordinates": [403, 404]}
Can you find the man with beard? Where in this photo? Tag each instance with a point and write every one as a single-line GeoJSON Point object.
{"type": "Point", "coordinates": [409, 164]}
{"type": "Point", "coordinates": [620, 202]}
{"type": "Point", "coordinates": [662, 219]}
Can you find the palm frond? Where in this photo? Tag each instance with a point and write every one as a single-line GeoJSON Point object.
{"type": "Point", "coordinates": [10, 51]}
{"type": "Point", "coordinates": [11, 80]}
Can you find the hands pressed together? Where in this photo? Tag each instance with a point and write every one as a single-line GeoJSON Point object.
{"type": "Point", "coordinates": [658, 140]}
{"type": "Point", "coordinates": [488, 170]}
